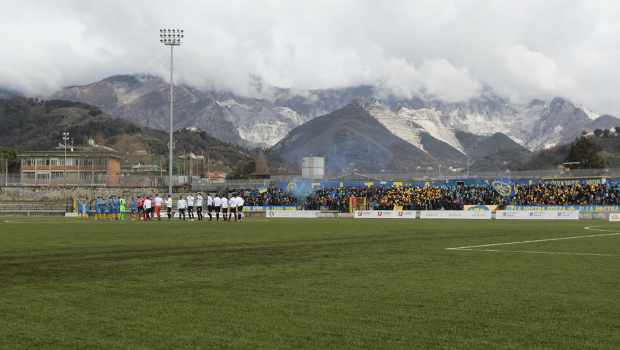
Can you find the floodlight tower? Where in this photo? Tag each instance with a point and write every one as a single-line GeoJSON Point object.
{"type": "Point", "coordinates": [65, 136]}
{"type": "Point", "coordinates": [172, 38]}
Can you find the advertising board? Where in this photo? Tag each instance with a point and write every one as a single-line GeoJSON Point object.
{"type": "Point", "coordinates": [293, 214]}
{"type": "Point", "coordinates": [564, 207]}
{"type": "Point", "coordinates": [388, 214]}
{"type": "Point", "coordinates": [537, 215]}
{"type": "Point", "coordinates": [257, 208]}
{"type": "Point", "coordinates": [455, 214]}
{"type": "Point", "coordinates": [614, 217]}
{"type": "Point", "coordinates": [480, 207]}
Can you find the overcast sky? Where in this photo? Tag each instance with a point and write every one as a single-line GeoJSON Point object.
{"type": "Point", "coordinates": [450, 49]}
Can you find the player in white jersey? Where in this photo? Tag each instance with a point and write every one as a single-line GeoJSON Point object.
{"type": "Point", "coordinates": [224, 203]}
{"type": "Point", "coordinates": [169, 207]}
{"type": "Point", "coordinates": [181, 205]}
{"type": "Point", "coordinates": [158, 201]}
{"type": "Point", "coordinates": [217, 204]}
{"type": "Point", "coordinates": [147, 208]}
{"type": "Point", "coordinates": [190, 207]}
{"type": "Point", "coordinates": [199, 206]}
{"type": "Point", "coordinates": [209, 206]}
{"type": "Point", "coordinates": [232, 203]}
{"type": "Point", "coordinates": [240, 203]}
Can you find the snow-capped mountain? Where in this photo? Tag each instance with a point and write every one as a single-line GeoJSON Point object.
{"type": "Point", "coordinates": [268, 116]}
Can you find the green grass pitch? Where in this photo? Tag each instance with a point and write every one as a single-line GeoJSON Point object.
{"type": "Point", "coordinates": [308, 283]}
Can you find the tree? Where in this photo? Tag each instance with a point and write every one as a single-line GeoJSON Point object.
{"type": "Point", "coordinates": [606, 133]}
{"type": "Point", "coordinates": [585, 151]}
{"type": "Point", "coordinates": [8, 158]}
{"type": "Point", "coordinates": [242, 172]}
{"type": "Point", "coordinates": [8, 153]}
{"type": "Point", "coordinates": [598, 132]}
{"type": "Point", "coordinates": [261, 163]}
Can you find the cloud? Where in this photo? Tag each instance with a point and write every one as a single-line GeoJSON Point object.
{"type": "Point", "coordinates": [444, 48]}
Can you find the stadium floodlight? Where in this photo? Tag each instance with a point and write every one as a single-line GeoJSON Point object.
{"type": "Point", "coordinates": [172, 38]}
{"type": "Point", "coordinates": [65, 136]}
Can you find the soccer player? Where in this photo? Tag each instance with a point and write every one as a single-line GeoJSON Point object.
{"type": "Point", "coordinates": [240, 203]}
{"type": "Point", "coordinates": [147, 209]}
{"type": "Point", "coordinates": [87, 208]}
{"type": "Point", "coordinates": [132, 211]}
{"type": "Point", "coordinates": [181, 205]}
{"type": "Point", "coordinates": [158, 202]}
{"type": "Point", "coordinates": [115, 207]}
{"type": "Point", "coordinates": [169, 207]}
{"type": "Point", "coordinates": [209, 206]}
{"type": "Point", "coordinates": [199, 206]}
{"type": "Point", "coordinates": [190, 207]}
{"type": "Point", "coordinates": [217, 204]}
{"type": "Point", "coordinates": [122, 208]}
{"type": "Point", "coordinates": [110, 208]}
{"type": "Point", "coordinates": [233, 207]}
{"type": "Point", "coordinates": [224, 203]}
{"type": "Point", "coordinates": [140, 208]}
{"type": "Point", "coordinates": [78, 204]}
{"type": "Point", "coordinates": [101, 208]}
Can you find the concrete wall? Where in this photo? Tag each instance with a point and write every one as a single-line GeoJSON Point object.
{"type": "Point", "coordinates": [47, 193]}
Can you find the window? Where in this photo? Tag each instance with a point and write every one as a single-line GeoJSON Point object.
{"type": "Point", "coordinates": [29, 161]}
{"type": "Point", "coordinates": [86, 176]}
{"type": "Point", "coordinates": [72, 162]}
{"type": "Point", "coordinates": [43, 176]}
{"type": "Point", "coordinates": [86, 161]}
{"type": "Point", "coordinates": [57, 175]}
{"type": "Point", "coordinates": [28, 175]}
{"type": "Point", "coordinates": [100, 162]}
{"type": "Point", "coordinates": [43, 162]}
{"type": "Point", "coordinates": [72, 175]}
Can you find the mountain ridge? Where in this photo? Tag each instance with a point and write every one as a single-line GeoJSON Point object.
{"type": "Point", "coordinates": [266, 117]}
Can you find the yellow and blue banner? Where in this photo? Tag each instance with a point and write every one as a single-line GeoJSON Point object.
{"type": "Point", "coordinates": [564, 207]}
{"type": "Point", "coordinates": [504, 187]}
{"type": "Point", "coordinates": [262, 190]}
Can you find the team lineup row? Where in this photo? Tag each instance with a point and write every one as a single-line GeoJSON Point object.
{"type": "Point", "coordinates": [146, 208]}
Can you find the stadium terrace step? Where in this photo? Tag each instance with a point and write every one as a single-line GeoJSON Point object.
{"type": "Point", "coordinates": [34, 206]}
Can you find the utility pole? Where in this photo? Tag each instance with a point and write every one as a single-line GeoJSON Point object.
{"type": "Point", "coordinates": [65, 136]}
{"type": "Point", "coordinates": [172, 38]}
{"type": "Point", "coordinates": [468, 168]}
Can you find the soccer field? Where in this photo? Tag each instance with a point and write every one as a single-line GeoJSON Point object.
{"type": "Point", "coordinates": [309, 283]}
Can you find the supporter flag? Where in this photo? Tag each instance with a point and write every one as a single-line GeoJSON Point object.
{"type": "Point", "coordinates": [262, 190]}
{"type": "Point", "coordinates": [504, 187]}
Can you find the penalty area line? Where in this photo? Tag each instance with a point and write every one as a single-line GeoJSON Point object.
{"type": "Point", "coordinates": [533, 252]}
{"type": "Point", "coordinates": [473, 247]}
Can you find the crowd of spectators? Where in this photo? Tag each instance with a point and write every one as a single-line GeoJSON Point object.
{"type": "Point", "coordinates": [435, 198]}
{"type": "Point", "coordinates": [333, 197]}
{"type": "Point", "coordinates": [272, 196]}
{"type": "Point", "coordinates": [577, 194]}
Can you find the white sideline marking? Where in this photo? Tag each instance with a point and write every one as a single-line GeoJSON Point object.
{"type": "Point", "coordinates": [41, 222]}
{"type": "Point", "coordinates": [472, 247]}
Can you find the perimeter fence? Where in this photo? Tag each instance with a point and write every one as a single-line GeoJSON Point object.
{"type": "Point", "coordinates": [200, 184]}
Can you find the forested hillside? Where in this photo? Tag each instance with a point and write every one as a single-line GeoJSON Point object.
{"type": "Point", "coordinates": [28, 125]}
